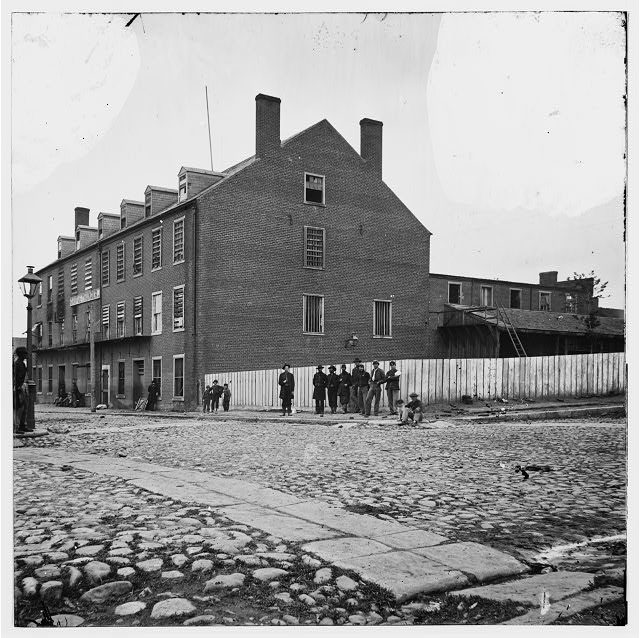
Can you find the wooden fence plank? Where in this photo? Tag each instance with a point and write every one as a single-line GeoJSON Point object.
{"type": "Point", "coordinates": [430, 395]}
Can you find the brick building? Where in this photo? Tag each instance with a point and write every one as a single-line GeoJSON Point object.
{"type": "Point", "coordinates": [472, 317]}
{"type": "Point", "coordinates": [285, 256]}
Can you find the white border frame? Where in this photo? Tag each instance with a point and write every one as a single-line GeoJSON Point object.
{"type": "Point", "coordinates": [173, 378]}
{"type": "Point", "coordinates": [373, 308]}
{"type": "Point", "coordinates": [156, 292]}
{"type": "Point", "coordinates": [324, 189]}
{"type": "Point", "coordinates": [304, 312]}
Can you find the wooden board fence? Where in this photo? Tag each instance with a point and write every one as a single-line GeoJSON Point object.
{"type": "Point", "coordinates": [447, 380]}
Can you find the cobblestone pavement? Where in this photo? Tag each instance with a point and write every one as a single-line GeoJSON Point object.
{"type": "Point", "coordinates": [454, 479]}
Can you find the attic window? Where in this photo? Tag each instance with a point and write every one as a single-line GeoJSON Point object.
{"type": "Point", "coordinates": [515, 298]}
{"type": "Point", "coordinates": [147, 204]}
{"type": "Point", "coordinates": [455, 293]}
{"type": "Point", "coordinates": [182, 188]}
{"type": "Point", "coordinates": [123, 220]}
{"type": "Point", "coordinates": [313, 189]}
{"type": "Point", "coordinates": [100, 230]}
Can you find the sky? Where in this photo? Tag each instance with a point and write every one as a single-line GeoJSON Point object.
{"type": "Point", "coordinates": [504, 133]}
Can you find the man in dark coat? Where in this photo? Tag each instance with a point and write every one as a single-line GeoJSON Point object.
{"type": "Point", "coordinates": [152, 398]}
{"type": "Point", "coordinates": [216, 393]}
{"type": "Point", "coordinates": [412, 411]}
{"type": "Point", "coordinates": [354, 405]}
{"type": "Point", "coordinates": [392, 379]}
{"type": "Point", "coordinates": [287, 385]}
{"type": "Point", "coordinates": [206, 399]}
{"type": "Point", "coordinates": [363, 387]}
{"type": "Point", "coordinates": [20, 396]}
{"type": "Point", "coordinates": [344, 389]}
{"type": "Point", "coordinates": [376, 380]}
{"type": "Point", "coordinates": [333, 381]}
{"type": "Point", "coordinates": [320, 389]}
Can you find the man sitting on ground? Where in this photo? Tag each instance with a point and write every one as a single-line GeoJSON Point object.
{"type": "Point", "coordinates": [412, 411]}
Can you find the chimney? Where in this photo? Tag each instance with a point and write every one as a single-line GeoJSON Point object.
{"type": "Point", "coordinates": [82, 216]}
{"type": "Point", "coordinates": [108, 223]}
{"type": "Point", "coordinates": [549, 278]}
{"type": "Point", "coordinates": [66, 245]}
{"type": "Point", "coordinates": [267, 124]}
{"type": "Point", "coordinates": [130, 212]}
{"type": "Point", "coordinates": [371, 144]}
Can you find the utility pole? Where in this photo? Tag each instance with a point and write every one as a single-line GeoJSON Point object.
{"type": "Point", "coordinates": [92, 357]}
{"type": "Point", "coordinates": [206, 95]}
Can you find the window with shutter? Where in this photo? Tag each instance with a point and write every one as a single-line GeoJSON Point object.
{"type": "Point", "coordinates": [74, 279]}
{"type": "Point", "coordinates": [137, 256]}
{"type": "Point", "coordinates": [313, 189]}
{"type": "Point", "coordinates": [106, 316]}
{"type": "Point", "coordinates": [88, 274]}
{"type": "Point", "coordinates": [178, 241]}
{"type": "Point", "coordinates": [120, 263]}
{"type": "Point", "coordinates": [156, 248]}
{"type": "Point", "coordinates": [105, 268]}
{"type": "Point", "coordinates": [178, 308]}
{"type": "Point", "coordinates": [137, 316]}
{"type": "Point", "coordinates": [120, 319]}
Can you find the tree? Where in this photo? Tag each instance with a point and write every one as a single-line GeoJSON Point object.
{"type": "Point", "coordinates": [599, 286]}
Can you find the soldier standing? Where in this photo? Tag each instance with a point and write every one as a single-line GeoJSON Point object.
{"type": "Point", "coordinates": [344, 389]}
{"type": "Point", "coordinates": [320, 389]}
{"type": "Point", "coordinates": [354, 404]}
{"type": "Point", "coordinates": [333, 381]}
{"type": "Point", "coordinates": [393, 386]}
{"type": "Point", "coordinates": [377, 379]}
{"type": "Point", "coordinates": [363, 387]}
{"type": "Point", "coordinates": [287, 385]}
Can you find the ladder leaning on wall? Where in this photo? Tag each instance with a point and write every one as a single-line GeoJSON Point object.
{"type": "Point", "coordinates": [511, 331]}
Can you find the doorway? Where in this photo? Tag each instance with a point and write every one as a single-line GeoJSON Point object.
{"type": "Point", "coordinates": [104, 384]}
{"type": "Point", "coordinates": [138, 380]}
{"type": "Point", "coordinates": [62, 389]}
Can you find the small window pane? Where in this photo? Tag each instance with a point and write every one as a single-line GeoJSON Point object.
{"type": "Point", "coordinates": [313, 310]}
{"type": "Point", "coordinates": [156, 248]}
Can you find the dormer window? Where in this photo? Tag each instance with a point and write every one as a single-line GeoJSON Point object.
{"type": "Point", "coordinates": [123, 221]}
{"type": "Point", "coordinates": [313, 189]}
{"type": "Point", "coordinates": [59, 249]}
{"type": "Point", "coordinates": [77, 239]}
{"type": "Point", "coordinates": [147, 204]}
{"type": "Point", "coordinates": [182, 187]}
{"type": "Point", "coordinates": [100, 228]}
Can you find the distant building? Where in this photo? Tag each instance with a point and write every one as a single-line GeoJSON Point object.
{"type": "Point", "coordinates": [286, 256]}
{"type": "Point", "coordinates": [476, 317]}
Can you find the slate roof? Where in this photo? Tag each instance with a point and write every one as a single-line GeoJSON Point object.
{"type": "Point", "coordinates": [543, 321]}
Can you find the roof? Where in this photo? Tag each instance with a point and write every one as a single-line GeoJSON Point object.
{"type": "Point", "coordinates": [164, 189]}
{"type": "Point", "coordinates": [544, 321]}
{"type": "Point", "coordinates": [108, 215]}
{"type": "Point", "coordinates": [131, 201]}
{"type": "Point", "coordinates": [203, 171]}
{"type": "Point", "coordinates": [569, 283]}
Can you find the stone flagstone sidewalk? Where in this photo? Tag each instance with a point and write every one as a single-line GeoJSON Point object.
{"type": "Point", "coordinates": [402, 559]}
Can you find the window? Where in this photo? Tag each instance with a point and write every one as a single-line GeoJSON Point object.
{"type": "Point", "coordinates": [39, 386]}
{"type": "Point", "coordinates": [381, 318]}
{"type": "Point", "coordinates": [182, 187]}
{"type": "Point", "coordinates": [120, 331]}
{"type": "Point", "coordinates": [50, 379]}
{"type": "Point", "coordinates": [137, 256]}
{"type": "Point", "coordinates": [545, 301]}
{"type": "Point", "coordinates": [455, 293]}
{"type": "Point", "coordinates": [515, 298]}
{"type": "Point", "coordinates": [313, 313]}
{"type": "Point", "coordinates": [313, 247]}
{"type": "Point", "coordinates": [106, 262]}
{"type": "Point", "coordinates": [178, 241]}
{"type": "Point", "coordinates": [59, 249]}
{"type": "Point", "coordinates": [156, 373]}
{"type": "Point", "coordinates": [570, 302]}
{"type": "Point", "coordinates": [39, 294]}
{"type": "Point", "coordinates": [88, 274]}
{"type": "Point", "coordinates": [121, 378]}
{"type": "Point", "coordinates": [120, 262]}
{"type": "Point", "coordinates": [156, 313]}
{"type": "Point", "coordinates": [74, 279]}
{"type": "Point", "coordinates": [106, 317]}
{"type": "Point", "coordinates": [88, 324]}
{"type": "Point", "coordinates": [100, 231]}
{"type": "Point", "coordinates": [178, 308]}
{"type": "Point", "coordinates": [61, 284]}
{"type": "Point", "coordinates": [156, 248]}
{"type": "Point", "coordinates": [62, 332]}
{"type": "Point", "coordinates": [123, 219]}
{"type": "Point", "coordinates": [313, 189]}
{"type": "Point", "coordinates": [137, 315]}
{"type": "Point", "coordinates": [147, 204]}
{"type": "Point", "coordinates": [178, 376]}
{"type": "Point", "coordinates": [50, 333]}
{"type": "Point", "coordinates": [486, 295]}
{"type": "Point", "coordinates": [74, 325]}
{"type": "Point", "coordinates": [49, 287]}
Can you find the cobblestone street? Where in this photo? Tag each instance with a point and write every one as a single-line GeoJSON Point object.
{"type": "Point", "coordinates": [448, 478]}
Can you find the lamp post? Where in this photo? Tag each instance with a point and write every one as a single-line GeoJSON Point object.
{"type": "Point", "coordinates": [29, 285]}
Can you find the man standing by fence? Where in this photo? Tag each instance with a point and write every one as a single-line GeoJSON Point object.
{"type": "Point", "coordinates": [363, 387]}
{"type": "Point", "coordinates": [392, 380]}
{"type": "Point", "coordinates": [287, 385]}
{"type": "Point", "coordinates": [354, 405]}
{"type": "Point", "coordinates": [344, 389]}
{"type": "Point", "coordinates": [376, 380]}
{"type": "Point", "coordinates": [320, 389]}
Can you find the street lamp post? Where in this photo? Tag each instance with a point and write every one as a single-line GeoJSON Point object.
{"type": "Point", "coordinates": [29, 284]}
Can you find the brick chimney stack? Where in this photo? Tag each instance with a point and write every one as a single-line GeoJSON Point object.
{"type": "Point", "coordinates": [267, 125]}
{"type": "Point", "coordinates": [549, 278]}
{"type": "Point", "coordinates": [82, 216]}
{"type": "Point", "coordinates": [371, 144]}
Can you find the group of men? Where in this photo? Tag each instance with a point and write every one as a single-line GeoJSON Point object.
{"type": "Point", "coordinates": [211, 397]}
{"type": "Point", "coordinates": [357, 390]}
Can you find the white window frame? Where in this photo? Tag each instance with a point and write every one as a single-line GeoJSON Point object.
{"type": "Point", "coordinates": [304, 314]}
{"type": "Point", "coordinates": [304, 189]}
{"type": "Point", "coordinates": [177, 221]}
{"type": "Point", "coordinates": [540, 293]}
{"type": "Point", "coordinates": [123, 305]}
{"type": "Point", "coordinates": [460, 297]}
{"type": "Point", "coordinates": [390, 302]}
{"type": "Point", "coordinates": [520, 291]}
{"type": "Point", "coordinates": [157, 293]}
{"type": "Point", "coordinates": [173, 378]}
{"type": "Point", "coordinates": [324, 247]}
{"type": "Point", "coordinates": [49, 288]}
{"type": "Point", "coordinates": [154, 230]}
{"type": "Point", "coordinates": [133, 258]}
{"type": "Point", "coordinates": [135, 332]}
{"type": "Point", "coordinates": [182, 181]}
{"type": "Point", "coordinates": [490, 288]}
{"type": "Point", "coordinates": [121, 246]}
{"type": "Point", "coordinates": [161, 375]}
{"type": "Point", "coordinates": [180, 328]}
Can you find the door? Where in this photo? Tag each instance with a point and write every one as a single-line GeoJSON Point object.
{"type": "Point", "coordinates": [62, 388]}
{"type": "Point", "coordinates": [138, 380]}
{"type": "Point", "coordinates": [104, 385]}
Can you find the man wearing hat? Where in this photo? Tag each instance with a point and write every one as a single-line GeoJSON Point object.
{"type": "Point", "coordinates": [20, 396]}
{"type": "Point", "coordinates": [363, 387]}
{"type": "Point", "coordinates": [344, 389]}
{"type": "Point", "coordinates": [355, 382]}
{"type": "Point", "coordinates": [392, 379]}
{"type": "Point", "coordinates": [376, 380]}
{"type": "Point", "coordinates": [412, 411]}
{"type": "Point", "coordinates": [333, 381]}
{"type": "Point", "coordinates": [287, 385]}
{"type": "Point", "coordinates": [320, 389]}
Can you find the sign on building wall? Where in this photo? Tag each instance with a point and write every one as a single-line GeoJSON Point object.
{"type": "Point", "coordinates": [83, 297]}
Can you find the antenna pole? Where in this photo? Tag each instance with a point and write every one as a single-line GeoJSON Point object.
{"type": "Point", "coordinates": [206, 95]}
